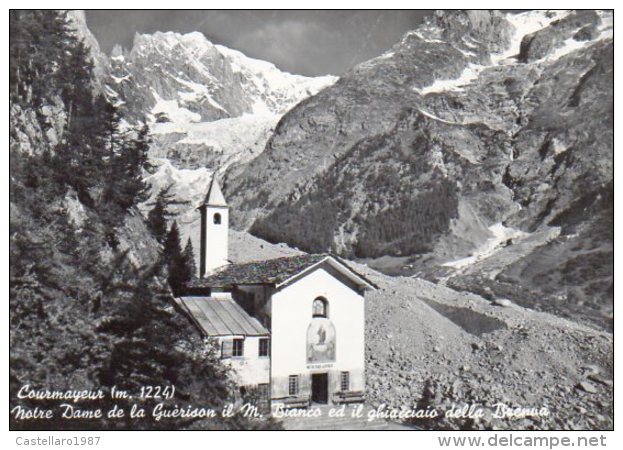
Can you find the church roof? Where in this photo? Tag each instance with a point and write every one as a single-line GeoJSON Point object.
{"type": "Point", "coordinates": [221, 317]}
{"type": "Point", "coordinates": [215, 196]}
{"type": "Point", "coordinates": [274, 272]}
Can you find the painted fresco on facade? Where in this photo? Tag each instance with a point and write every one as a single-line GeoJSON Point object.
{"type": "Point", "coordinates": [320, 341]}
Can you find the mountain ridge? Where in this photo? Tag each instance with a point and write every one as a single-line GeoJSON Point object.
{"type": "Point", "coordinates": [467, 136]}
{"type": "Point", "coordinates": [418, 153]}
{"type": "Point", "coordinates": [525, 193]}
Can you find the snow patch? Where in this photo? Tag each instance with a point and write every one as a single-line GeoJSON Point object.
{"type": "Point", "coordinates": [439, 119]}
{"type": "Point", "coordinates": [110, 92]}
{"type": "Point", "coordinates": [469, 74]}
{"type": "Point", "coordinates": [198, 93]}
{"type": "Point", "coordinates": [273, 90]}
{"type": "Point", "coordinates": [431, 40]}
{"type": "Point", "coordinates": [436, 159]}
{"type": "Point", "coordinates": [524, 24]}
{"type": "Point", "coordinates": [571, 45]}
{"type": "Point", "coordinates": [120, 79]}
{"type": "Point", "coordinates": [607, 21]}
{"type": "Point", "coordinates": [470, 42]}
{"type": "Point", "coordinates": [385, 55]}
{"type": "Point", "coordinates": [234, 140]}
{"type": "Point", "coordinates": [467, 52]}
{"type": "Point", "coordinates": [558, 146]}
{"type": "Point", "coordinates": [500, 234]}
{"type": "Point", "coordinates": [173, 110]}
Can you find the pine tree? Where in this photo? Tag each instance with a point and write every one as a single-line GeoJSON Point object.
{"type": "Point", "coordinates": [174, 259]}
{"type": "Point", "coordinates": [189, 260]}
{"type": "Point", "coordinates": [158, 215]}
{"type": "Point", "coordinates": [126, 161]}
{"type": "Point", "coordinates": [38, 47]}
{"type": "Point", "coordinates": [172, 244]}
{"type": "Point", "coordinates": [156, 219]}
{"type": "Point", "coordinates": [76, 82]}
{"type": "Point", "coordinates": [81, 315]}
{"type": "Point", "coordinates": [161, 212]}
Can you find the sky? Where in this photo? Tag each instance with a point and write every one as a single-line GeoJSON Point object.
{"type": "Point", "coordinates": [303, 42]}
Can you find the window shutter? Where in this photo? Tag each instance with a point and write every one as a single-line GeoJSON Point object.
{"type": "Point", "coordinates": [227, 349]}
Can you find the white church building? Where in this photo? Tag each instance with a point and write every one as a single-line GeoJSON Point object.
{"type": "Point", "coordinates": [292, 328]}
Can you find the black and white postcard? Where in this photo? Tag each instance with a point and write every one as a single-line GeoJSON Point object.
{"type": "Point", "coordinates": [311, 220]}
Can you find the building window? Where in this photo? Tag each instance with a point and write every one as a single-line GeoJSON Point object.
{"type": "Point", "coordinates": [344, 381]}
{"type": "Point", "coordinates": [217, 219]}
{"type": "Point", "coordinates": [227, 348]}
{"type": "Point", "coordinates": [232, 348]}
{"type": "Point", "coordinates": [293, 384]}
{"type": "Point", "coordinates": [238, 349]}
{"type": "Point", "coordinates": [264, 347]}
{"type": "Point", "coordinates": [320, 307]}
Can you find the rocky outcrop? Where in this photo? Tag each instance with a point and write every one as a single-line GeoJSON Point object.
{"type": "Point", "coordinates": [185, 78]}
{"type": "Point", "coordinates": [33, 131]}
{"type": "Point", "coordinates": [580, 26]}
{"type": "Point", "coordinates": [207, 105]}
{"type": "Point", "coordinates": [368, 101]}
{"type": "Point", "coordinates": [171, 74]}
{"type": "Point", "coordinates": [473, 120]}
{"type": "Point", "coordinates": [101, 64]}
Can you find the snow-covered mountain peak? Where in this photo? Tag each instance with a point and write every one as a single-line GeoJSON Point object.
{"type": "Point", "coordinates": [167, 40]}
{"type": "Point", "coordinates": [208, 106]}
{"type": "Point", "coordinates": [274, 91]}
{"type": "Point", "coordinates": [185, 77]}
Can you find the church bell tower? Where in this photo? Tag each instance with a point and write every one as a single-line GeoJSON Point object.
{"type": "Point", "coordinates": [214, 230]}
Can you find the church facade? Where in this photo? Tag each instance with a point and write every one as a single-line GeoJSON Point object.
{"type": "Point", "coordinates": [292, 328]}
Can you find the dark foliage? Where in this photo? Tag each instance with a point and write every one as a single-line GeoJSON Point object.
{"type": "Point", "coordinates": [156, 220]}
{"type": "Point", "coordinates": [180, 264]}
{"type": "Point", "coordinates": [162, 210]}
{"type": "Point", "coordinates": [384, 191]}
{"type": "Point", "coordinates": [81, 315]}
{"type": "Point", "coordinates": [189, 260]}
{"type": "Point", "coordinates": [411, 226]}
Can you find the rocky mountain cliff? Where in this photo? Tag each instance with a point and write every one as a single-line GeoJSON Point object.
{"type": "Point", "coordinates": [101, 64]}
{"type": "Point", "coordinates": [207, 105]}
{"type": "Point", "coordinates": [476, 152]}
{"type": "Point", "coordinates": [462, 155]}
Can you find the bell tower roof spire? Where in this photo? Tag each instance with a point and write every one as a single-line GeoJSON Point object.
{"type": "Point", "coordinates": [214, 230]}
{"type": "Point", "coordinates": [214, 197]}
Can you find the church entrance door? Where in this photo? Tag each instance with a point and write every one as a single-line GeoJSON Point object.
{"type": "Point", "coordinates": [320, 388]}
